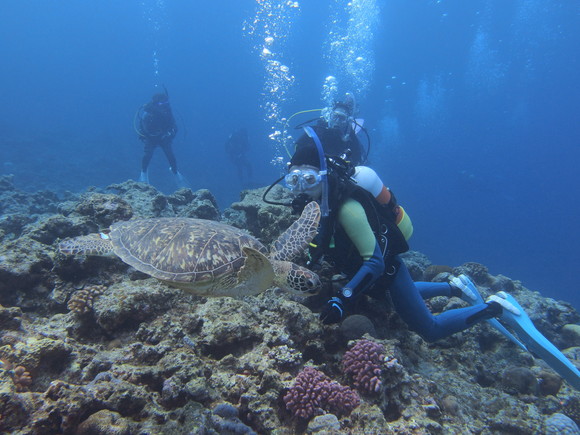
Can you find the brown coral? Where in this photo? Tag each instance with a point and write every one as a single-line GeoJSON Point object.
{"type": "Point", "coordinates": [81, 301]}
{"type": "Point", "coordinates": [434, 270]}
{"type": "Point", "coordinates": [572, 409]}
{"type": "Point", "coordinates": [104, 422]}
{"type": "Point", "coordinates": [476, 271]}
{"type": "Point", "coordinates": [22, 379]}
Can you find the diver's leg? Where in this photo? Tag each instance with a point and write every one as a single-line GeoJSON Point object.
{"type": "Point", "coordinates": [240, 170]}
{"type": "Point", "coordinates": [429, 290]}
{"type": "Point", "coordinates": [410, 306]}
{"type": "Point", "coordinates": [248, 166]}
{"type": "Point", "coordinates": [147, 155]}
{"type": "Point", "coordinates": [455, 288]}
{"type": "Point", "coordinates": [180, 180]}
{"type": "Point", "coordinates": [170, 156]}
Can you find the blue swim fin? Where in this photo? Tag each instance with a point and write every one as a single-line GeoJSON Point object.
{"type": "Point", "coordinates": [181, 181]}
{"type": "Point", "coordinates": [539, 344]}
{"type": "Point", "coordinates": [473, 297]}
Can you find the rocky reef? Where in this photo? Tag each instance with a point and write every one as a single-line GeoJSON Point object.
{"type": "Point", "coordinates": [89, 345]}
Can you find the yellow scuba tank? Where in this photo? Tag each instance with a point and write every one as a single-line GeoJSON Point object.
{"type": "Point", "coordinates": [369, 180]}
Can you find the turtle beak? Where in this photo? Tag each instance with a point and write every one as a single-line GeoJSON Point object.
{"type": "Point", "coordinates": [313, 284]}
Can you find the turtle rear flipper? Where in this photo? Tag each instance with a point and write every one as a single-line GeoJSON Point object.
{"type": "Point", "coordinates": [91, 244]}
{"type": "Point", "coordinates": [295, 239]}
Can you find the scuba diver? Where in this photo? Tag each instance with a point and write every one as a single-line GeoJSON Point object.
{"type": "Point", "coordinates": [156, 127]}
{"type": "Point", "coordinates": [237, 146]}
{"type": "Point", "coordinates": [362, 232]}
{"type": "Point", "coordinates": [337, 131]}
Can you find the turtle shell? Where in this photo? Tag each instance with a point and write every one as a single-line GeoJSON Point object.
{"type": "Point", "coordinates": [191, 252]}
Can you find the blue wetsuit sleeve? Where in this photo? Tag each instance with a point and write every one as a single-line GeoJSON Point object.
{"type": "Point", "coordinates": [368, 273]}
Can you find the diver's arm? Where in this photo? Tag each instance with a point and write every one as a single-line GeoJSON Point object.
{"type": "Point", "coordinates": [353, 219]}
{"type": "Point", "coordinates": [173, 127]}
{"type": "Point", "coordinates": [356, 149]}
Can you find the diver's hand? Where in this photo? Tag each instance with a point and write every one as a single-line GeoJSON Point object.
{"type": "Point", "coordinates": [333, 311]}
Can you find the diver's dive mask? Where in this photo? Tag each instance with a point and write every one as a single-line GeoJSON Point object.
{"type": "Point", "coordinates": [341, 120]}
{"type": "Point", "coordinates": [301, 180]}
{"type": "Point", "coordinates": [308, 183]}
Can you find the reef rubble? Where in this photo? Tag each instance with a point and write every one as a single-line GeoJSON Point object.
{"type": "Point", "coordinates": [89, 345]}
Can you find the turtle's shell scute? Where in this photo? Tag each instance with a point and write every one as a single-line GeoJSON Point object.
{"type": "Point", "coordinates": [182, 250]}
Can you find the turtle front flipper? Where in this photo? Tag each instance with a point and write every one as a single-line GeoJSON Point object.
{"type": "Point", "coordinates": [91, 244]}
{"type": "Point", "coordinates": [256, 275]}
{"type": "Point", "coordinates": [295, 239]}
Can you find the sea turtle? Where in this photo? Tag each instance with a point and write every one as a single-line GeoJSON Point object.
{"type": "Point", "coordinates": [205, 257]}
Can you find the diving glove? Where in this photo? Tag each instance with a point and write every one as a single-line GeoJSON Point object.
{"type": "Point", "coordinates": [333, 311]}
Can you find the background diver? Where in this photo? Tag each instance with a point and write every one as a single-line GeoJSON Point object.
{"type": "Point", "coordinates": [362, 238]}
{"type": "Point", "coordinates": [156, 127]}
{"type": "Point", "coordinates": [337, 131]}
{"type": "Point", "coordinates": [237, 146]}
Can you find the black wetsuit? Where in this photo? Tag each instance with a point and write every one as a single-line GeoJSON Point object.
{"type": "Point", "coordinates": [333, 142]}
{"type": "Point", "coordinates": [237, 147]}
{"type": "Point", "coordinates": [157, 129]}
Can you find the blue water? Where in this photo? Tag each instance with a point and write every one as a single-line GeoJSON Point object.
{"type": "Point", "coordinates": [472, 107]}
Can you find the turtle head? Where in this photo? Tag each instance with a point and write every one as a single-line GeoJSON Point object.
{"type": "Point", "coordinates": [296, 279]}
{"type": "Point", "coordinates": [91, 244]}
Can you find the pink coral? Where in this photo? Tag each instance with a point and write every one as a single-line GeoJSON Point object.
{"type": "Point", "coordinates": [364, 362]}
{"type": "Point", "coordinates": [313, 392]}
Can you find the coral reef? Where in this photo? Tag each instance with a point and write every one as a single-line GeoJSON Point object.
{"type": "Point", "coordinates": [433, 271]}
{"type": "Point", "coordinates": [357, 325]}
{"type": "Point", "coordinates": [89, 345]}
{"type": "Point", "coordinates": [519, 380]}
{"type": "Point", "coordinates": [559, 424]}
{"type": "Point", "coordinates": [571, 409]}
{"type": "Point", "coordinates": [225, 420]}
{"type": "Point", "coordinates": [262, 220]}
{"type": "Point", "coordinates": [104, 422]}
{"type": "Point", "coordinates": [477, 272]}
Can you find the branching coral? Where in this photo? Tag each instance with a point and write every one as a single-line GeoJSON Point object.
{"type": "Point", "coordinates": [22, 379]}
{"type": "Point", "coordinates": [81, 301]}
{"type": "Point", "coordinates": [313, 392]}
{"type": "Point", "coordinates": [364, 362]}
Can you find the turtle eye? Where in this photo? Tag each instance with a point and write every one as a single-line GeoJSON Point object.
{"type": "Point", "coordinates": [312, 284]}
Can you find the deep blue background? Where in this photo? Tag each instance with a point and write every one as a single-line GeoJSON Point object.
{"type": "Point", "coordinates": [485, 94]}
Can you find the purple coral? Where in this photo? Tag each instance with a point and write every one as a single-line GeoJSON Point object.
{"type": "Point", "coordinates": [363, 362]}
{"type": "Point", "coordinates": [313, 392]}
